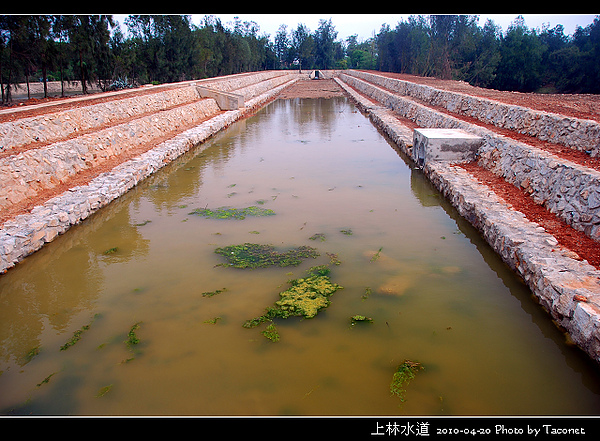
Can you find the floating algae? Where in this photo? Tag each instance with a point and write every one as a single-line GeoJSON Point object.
{"type": "Point", "coordinates": [213, 293]}
{"type": "Point", "coordinates": [360, 318]}
{"type": "Point", "coordinates": [318, 236]}
{"type": "Point", "coordinates": [271, 333]}
{"type": "Point", "coordinates": [232, 213]}
{"type": "Point", "coordinates": [403, 375]}
{"type": "Point", "coordinates": [132, 338]}
{"type": "Point", "coordinates": [304, 298]}
{"type": "Point", "coordinates": [76, 337]}
{"type": "Point", "coordinates": [252, 255]}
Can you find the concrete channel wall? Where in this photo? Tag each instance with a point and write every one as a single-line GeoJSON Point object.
{"type": "Point", "coordinates": [27, 233]}
{"type": "Point", "coordinates": [567, 287]}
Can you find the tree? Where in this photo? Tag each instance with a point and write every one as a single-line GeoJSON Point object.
{"type": "Point", "coordinates": [14, 42]}
{"type": "Point", "coordinates": [89, 36]}
{"type": "Point", "coordinates": [360, 55]}
{"type": "Point", "coordinates": [482, 70]}
{"type": "Point", "coordinates": [325, 48]}
{"type": "Point", "coordinates": [302, 46]}
{"type": "Point", "coordinates": [442, 29]}
{"type": "Point", "coordinates": [282, 45]}
{"type": "Point", "coordinates": [520, 59]}
{"type": "Point", "coordinates": [587, 42]}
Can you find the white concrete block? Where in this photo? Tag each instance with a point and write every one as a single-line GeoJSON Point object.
{"type": "Point", "coordinates": [448, 145]}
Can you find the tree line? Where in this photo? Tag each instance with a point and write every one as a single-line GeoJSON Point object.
{"type": "Point", "coordinates": [94, 49]}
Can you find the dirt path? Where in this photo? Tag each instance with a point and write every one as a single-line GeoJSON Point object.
{"type": "Point", "coordinates": [326, 88]}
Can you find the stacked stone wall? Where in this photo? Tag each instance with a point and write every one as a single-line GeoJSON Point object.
{"type": "Point", "coordinates": [54, 126]}
{"type": "Point", "coordinates": [577, 133]}
{"type": "Point", "coordinates": [26, 174]}
{"type": "Point", "coordinates": [569, 190]}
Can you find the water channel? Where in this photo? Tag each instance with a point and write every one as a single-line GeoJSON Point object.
{"type": "Point", "coordinates": [436, 293]}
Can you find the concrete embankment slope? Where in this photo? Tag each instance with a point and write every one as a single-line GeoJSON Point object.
{"type": "Point", "coordinates": [564, 284]}
{"type": "Point", "coordinates": [39, 153]}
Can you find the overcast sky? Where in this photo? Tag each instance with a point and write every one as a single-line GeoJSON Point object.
{"type": "Point", "coordinates": [364, 25]}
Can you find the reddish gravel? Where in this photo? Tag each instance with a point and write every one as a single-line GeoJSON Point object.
{"type": "Point", "coordinates": [576, 241]}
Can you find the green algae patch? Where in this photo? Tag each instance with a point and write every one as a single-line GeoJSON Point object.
{"type": "Point", "coordinates": [252, 255]}
{"type": "Point", "coordinates": [304, 298]}
{"type": "Point", "coordinates": [132, 338]}
{"type": "Point", "coordinates": [232, 213]}
{"type": "Point", "coordinates": [318, 236]}
{"type": "Point", "coordinates": [76, 337]}
{"type": "Point", "coordinates": [360, 318]}
{"type": "Point", "coordinates": [213, 293]}
{"type": "Point", "coordinates": [103, 391]}
{"type": "Point", "coordinates": [212, 321]}
{"type": "Point", "coordinates": [403, 375]}
{"type": "Point", "coordinates": [271, 333]}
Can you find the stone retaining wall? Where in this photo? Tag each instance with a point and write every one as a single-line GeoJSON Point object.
{"type": "Point", "coordinates": [27, 233]}
{"type": "Point", "coordinates": [32, 171]}
{"type": "Point", "coordinates": [569, 190]}
{"type": "Point", "coordinates": [577, 133]}
{"type": "Point", "coordinates": [568, 288]}
{"type": "Point", "coordinates": [51, 127]}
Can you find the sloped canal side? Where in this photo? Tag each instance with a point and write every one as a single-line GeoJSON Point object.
{"type": "Point", "coordinates": [425, 319]}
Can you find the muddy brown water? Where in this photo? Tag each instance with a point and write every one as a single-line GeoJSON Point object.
{"type": "Point", "coordinates": [437, 294]}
